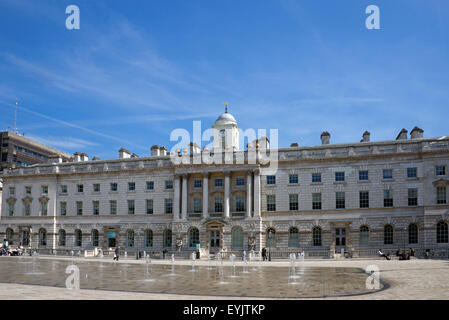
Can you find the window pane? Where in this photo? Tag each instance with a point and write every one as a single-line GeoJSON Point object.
{"type": "Point", "coordinates": [293, 179]}
{"type": "Point", "coordinates": [316, 201]}
{"type": "Point", "coordinates": [388, 174]}
{"type": "Point", "coordinates": [340, 200]}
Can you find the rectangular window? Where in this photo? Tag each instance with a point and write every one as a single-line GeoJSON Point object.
{"type": "Point", "coordinates": [114, 187]}
{"type": "Point", "coordinates": [197, 205]}
{"type": "Point", "coordinates": [149, 206]}
{"type": "Point", "coordinates": [63, 208]}
{"type": "Point", "coordinates": [364, 199]}
{"type": "Point", "coordinates": [293, 202]}
{"type": "Point", "coordinates": [316, 177]}
{"type": "Point", "coordinates": [340, 202]}
{"type": "Point", "coordinates": [44, 208]}
{"type": "Point", "coordinates": [79, 208]}
{"type": "Point", "coordinates": [28, 190]}
{"type": "Point", "coordinates": [12, 191]}
{"type": "Point", "coordinates": [197, 183]}
{"type": "Point", "coordinates": [293, 179]}
{"type": "Point", "coordinates": [218, 182]}
{"type": "Point", "coordinates": [271, 179]}
{"type": "Point", "coordinates": [412, 172]}
{"type": "Point", "coordinates": [63, 189]}
{"type": "Point", "coordinates": [131, 207]}
{"type": "Point", "coordinates": [113, 207]}
{"type": "Point", "coordinates": [168, 184]}
{"type": "Point", "coordinates": [218, 205]}
{"type": "Point", "coordinates": [440, 170]}
{"type": "Point", "coordinates": [11, 209]}
{"type": "Point", "coordinates": [27, 209]}
{"type": "Point", "coordinates": [131, 186]}
{"type": "Point", "coordinates": [168, 206]}
{"type": "Point", "coordinates": [388, 198]}
{"type": "Point", "coordinates": [412, 197]}
{"type": "Point", "coordinates": [363, 175]}
{"type": "Point", "coordinates": [339, 176]}
{"type": "Point", "coordinates": [80, 188]}
{"type": "Point", "coordinates": [96, 208]}
{"type": "Point", "coordinates": [316, 201]}
{"type": "Point", "coordinates": [387, 174]}
{"type": "Point", "coordinates": [239, 204]}
{"type": "Point", "coordinates": [240, 181]}
{"type": "Point", "coordinates": [44, 189]}
{"type": "Point", "coordinates": [441, 195]}
{"type": "Point", "coordinates": [271, 202]}
{"type": "Point", "coordinates": [150, 185]}
{"type": "Point", "coordinates": [96, 187]}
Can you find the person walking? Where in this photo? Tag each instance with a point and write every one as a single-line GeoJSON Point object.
{"type": "Point", "coordinates": [264, 253]}
{"type": "Point", "coordinates": [116, 253]}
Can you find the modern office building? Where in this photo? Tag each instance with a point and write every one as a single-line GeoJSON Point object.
{"type": "Point", "coordinates": [18, 151]}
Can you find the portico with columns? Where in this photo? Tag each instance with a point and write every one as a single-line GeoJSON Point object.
{"type": "Point", "coordinates": [227, 198]}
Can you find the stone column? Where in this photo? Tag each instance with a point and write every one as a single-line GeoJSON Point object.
{"type": "Point", "coordinates": [206, 195]}
{"type": "Point", "coordinates": [257, 193]}
{"type": "Point", "coordinates": [177, 198]}
{"type": "Point", "coordinates": [184, 196]}
{"type": "Point", "coordinates": [226, 194]}
{"type": "Point", "coordinates": [248, 194]}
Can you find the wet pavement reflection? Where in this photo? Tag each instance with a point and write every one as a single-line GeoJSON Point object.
{"type": "Point", "coordinates": [215, 280]}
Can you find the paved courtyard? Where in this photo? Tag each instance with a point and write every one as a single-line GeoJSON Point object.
{"type": "Point", "coordinates": [414, 279]}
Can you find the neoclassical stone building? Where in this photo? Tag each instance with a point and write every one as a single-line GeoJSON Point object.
{"type": "Point", "coordinates": [356, 197]}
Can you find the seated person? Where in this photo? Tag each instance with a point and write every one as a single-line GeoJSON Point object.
{"type": "Point", "coordinates": [381, 254]}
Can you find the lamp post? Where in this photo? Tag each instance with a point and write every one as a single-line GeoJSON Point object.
{"type": "Point", "coordinates": [405, 237]}
{"type": "Point", "coordinates": [270, 243]}
{"type": "Point", "coordinates": [31, 233]}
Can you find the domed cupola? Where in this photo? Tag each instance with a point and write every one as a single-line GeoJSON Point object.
{"type": "Point", "coordinates": [226, 123]}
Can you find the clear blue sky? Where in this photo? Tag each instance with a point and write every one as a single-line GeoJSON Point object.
{"type": "Point", "coordinates": [136, 70]}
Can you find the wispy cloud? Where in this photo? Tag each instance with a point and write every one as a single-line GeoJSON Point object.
{"type": "Point", "coordinates": [64, 143]}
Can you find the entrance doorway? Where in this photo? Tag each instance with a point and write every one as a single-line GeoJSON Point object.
{"type": "Point", "coordinates": [340, 239]}
{"type": "Point", "coordinates": [112, 239]}
{"type": "Point", "coordinates": [214, 240]}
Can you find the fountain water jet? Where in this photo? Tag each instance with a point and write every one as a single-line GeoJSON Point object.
{"type": "Point", "coordinates": [193, 262]}
{"type": "Point", "coordinates": [232, 258]}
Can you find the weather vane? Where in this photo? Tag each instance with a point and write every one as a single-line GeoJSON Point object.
{"type": "Point", "coordinates": [226, 106]}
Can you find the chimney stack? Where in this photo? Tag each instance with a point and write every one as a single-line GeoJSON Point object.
{"type": "Point", "coordinates": [416, 133]}
{"type": "Point", "coordinates": [194, 148]}
{"type": "Point", "coordinates": [325, 137]}
{"type": "Point", "coordinates": [124, 154]}
{"type": "Point", "coordinates": [77, 156]}
{"type": "Point", "coordinates": [402, 135]}
{"type": "Point", "coordinates": [163, 150]}
{"type": "Point", "coordinates": [55, 158]}
{"type": "Point", "coordinates": [155, 151]}
{"type": "Point", "coordinates": [84, 157]}
{"type": "Point", "coordinates": [365, 137]}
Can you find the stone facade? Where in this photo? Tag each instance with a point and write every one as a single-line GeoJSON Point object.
{"type": "Point", "coordinates": [226, 206]}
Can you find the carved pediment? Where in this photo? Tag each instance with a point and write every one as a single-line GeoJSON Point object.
{"type": "Point", "coordinates": [212, 221]}
{"type": "Point", "coordinates": [11, 200]}
{"type": "Point", "coordinates": [27, 199]}
{"type": "Point", "coordinates": [44, 199]}
{"type": "Point", "coordinates": [441, 182]}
